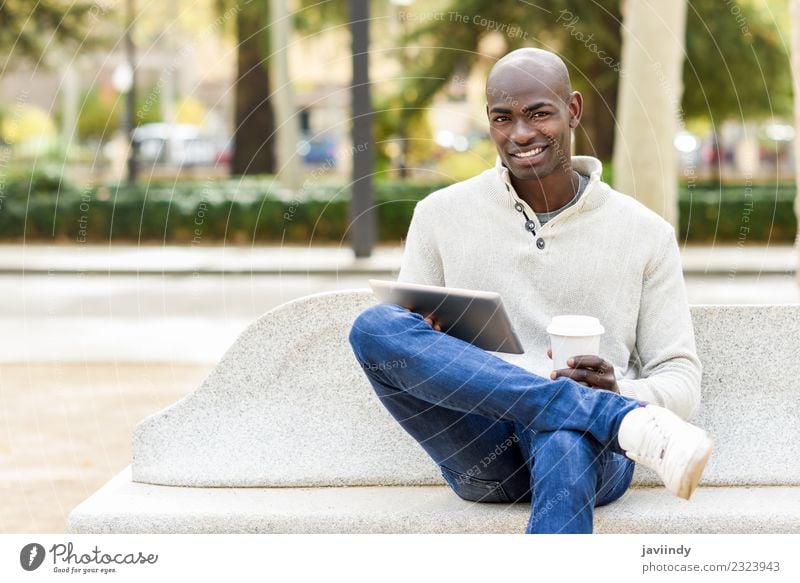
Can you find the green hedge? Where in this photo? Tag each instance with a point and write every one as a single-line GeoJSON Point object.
{"type": "Point", "coordinates": [43, 208]}
{"type": "Point", "coordinates": [738, 213]}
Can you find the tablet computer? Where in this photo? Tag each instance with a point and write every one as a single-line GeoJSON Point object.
{"type": "Point", "coordinates": [477, 317]}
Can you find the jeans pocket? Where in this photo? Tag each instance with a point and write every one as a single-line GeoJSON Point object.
{"type": "Point", "coordinates": [474, 489]}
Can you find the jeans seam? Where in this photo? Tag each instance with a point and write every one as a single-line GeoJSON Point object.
{"type": "Point", "coordinates": [491, 486]}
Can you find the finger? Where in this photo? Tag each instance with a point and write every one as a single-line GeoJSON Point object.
{"type": "Point", "coordinates": [587, 361]}
{"type": "Point", "coordinates": [582, 375]}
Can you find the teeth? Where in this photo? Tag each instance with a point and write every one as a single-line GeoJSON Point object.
{"type": "Point", "coordinates": [529, 153]}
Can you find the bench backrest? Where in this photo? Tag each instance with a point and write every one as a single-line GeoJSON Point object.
{"type": "Point", "coordinates": [288, 405]}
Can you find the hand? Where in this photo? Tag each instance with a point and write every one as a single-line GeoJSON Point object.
{"type": "Point", "coordinates": [429, 319]}
{"type": "Point", "coordinates": [434, 324]}
{"type": "Point", "coordinates": [589, 369]}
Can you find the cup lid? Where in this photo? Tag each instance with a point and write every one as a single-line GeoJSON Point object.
{"type": "Point", "coordinates": [573, 325]}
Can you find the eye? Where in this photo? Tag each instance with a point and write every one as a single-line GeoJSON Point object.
{"type": "Point", "coordinates": [538, 114]}
{"type": "Point", "coordinates": [501, 118]}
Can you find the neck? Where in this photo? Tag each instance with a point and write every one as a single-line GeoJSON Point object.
{"type": "Point", "coordinates": [549, 193]}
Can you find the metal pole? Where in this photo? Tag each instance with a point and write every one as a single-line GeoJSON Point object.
{"type": "Point", "coordinates": [130, 105]}
{"type": "Point", "coordinates": [363, 214]}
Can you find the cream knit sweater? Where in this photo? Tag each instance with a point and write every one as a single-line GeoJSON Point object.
{"type": "Point", "coordinates": [607, 256]}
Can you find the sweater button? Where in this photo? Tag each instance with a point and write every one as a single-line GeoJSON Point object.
{"type": "Point", "coordinates": [518, 206]}
{"type": "Point", "coordinates": [530, 225]}
{"type": "Point", "coordinates": [540, 243]}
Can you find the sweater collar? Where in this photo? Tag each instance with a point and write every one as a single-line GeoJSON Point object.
{"type": "Point", "coordinates": [594, 195]}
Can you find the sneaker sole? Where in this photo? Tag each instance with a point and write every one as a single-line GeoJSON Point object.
{"type": "Point", "coordinates": [695, 467]}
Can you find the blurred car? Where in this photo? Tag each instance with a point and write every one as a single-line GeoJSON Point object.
{"type": "Point", "coordinates": [176, 145]}
{"type": "Point", "coordinates": [317, 150]}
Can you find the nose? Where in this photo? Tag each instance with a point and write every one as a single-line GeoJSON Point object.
{"type": "Point", "coordinates": [522, 132]}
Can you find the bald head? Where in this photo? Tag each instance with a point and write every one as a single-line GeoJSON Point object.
{"type": "Point", "coordinates": [532, 111]}
{"type": "Point", "coordinates": [537, 65]}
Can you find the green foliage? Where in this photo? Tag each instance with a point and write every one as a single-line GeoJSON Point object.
{"type": "Point", "coordinates": [314, 16]}
{"type": "Point", "coordinates": [99, 117]}
{"type": "Point", "coordinates": [736, 213]}
{"type": "Point", "coordinates": [455, 166]}
{"type": "Point", "coordinates": [100, 114]}
{"type": "Point", "coordinates": [27, 27]}
{"type": "Point", "coordinates": [148, 107]}
{"type": "Point", "coordinates": [737, 65]}
{"type": "Point", "coordinates": [41, 206]}
{"type": "Point", "coordinates": [730, 70]}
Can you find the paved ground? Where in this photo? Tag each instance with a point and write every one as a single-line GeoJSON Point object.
{"type": "Point", "coordinates": [65, 430]}
{"type": "Point", "coordinates": [131, 259]}
{"type": "Point", "coordinates": [175, 318]}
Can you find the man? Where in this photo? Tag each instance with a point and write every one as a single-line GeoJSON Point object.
{"type": "Point", "coordinates": [545, 232]}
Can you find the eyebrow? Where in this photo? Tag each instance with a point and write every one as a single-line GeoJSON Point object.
{"type": "Point", "coordinates": [526, 109]}
{"type": "Point", "coordinates": [535, 106]}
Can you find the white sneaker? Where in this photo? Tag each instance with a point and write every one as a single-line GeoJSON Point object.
{"type": "Point", "coordinates": [660, 440]}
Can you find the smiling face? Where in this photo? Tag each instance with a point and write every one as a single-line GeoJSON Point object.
{"type": "Point", "coordinates": [531, 114]}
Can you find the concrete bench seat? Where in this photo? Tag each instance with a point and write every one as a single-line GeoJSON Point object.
{"type": "Point", "coordinates": [415, 509]}
{"type": "Point", "coordinates": [286, 435]}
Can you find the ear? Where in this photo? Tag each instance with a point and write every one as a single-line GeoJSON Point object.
{"type": "Point", "coordinates": [575, 107]}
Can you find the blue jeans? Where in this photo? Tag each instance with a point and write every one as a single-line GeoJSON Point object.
{"type": "Point", "coordinates": [498, 432]}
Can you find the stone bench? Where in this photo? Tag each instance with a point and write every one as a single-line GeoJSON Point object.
{"type": "Point", "coordinates": [286, 435]}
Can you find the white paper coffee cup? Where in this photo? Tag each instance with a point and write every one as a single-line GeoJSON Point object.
{"type": "Point", "coordinates": [574, 336]}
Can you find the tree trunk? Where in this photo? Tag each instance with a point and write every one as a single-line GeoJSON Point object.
{"type": "Point", "coordinates": [645, 164]}
{"type": "Point", "coordinates": [254, 133]}
{"type": "Point", "coordinates": [794, 7]}
{"type": "Point", "coordinates": [283, 97]}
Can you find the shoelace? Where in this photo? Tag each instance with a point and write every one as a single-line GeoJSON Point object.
{"type": "Point", "coordinates": [660, 443]}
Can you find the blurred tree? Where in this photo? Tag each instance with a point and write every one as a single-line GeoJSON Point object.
{"type": "Point", "coordinates": [315, 15]}
{"type": "Point", "coordinates": [452, 45]}
{"type": "Point", "coordinates": [100, 113]}
{"type": "Point", "coordinates": [29, 122]}
{"type": "Point", "coordinates": [727, 71]}
{"type": "Point", "coordinates": [392, 128]}
{"type": "Point", "coordinates": [794, 11]}
{"type": "Point", "coordinates": [653, 49]}
{"type": "Point", "coordinates": [254, 122]}
{"type": "Point", "coordinates": [27, 27]}
{"type": "Point", "coordinates": [737, 64]}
